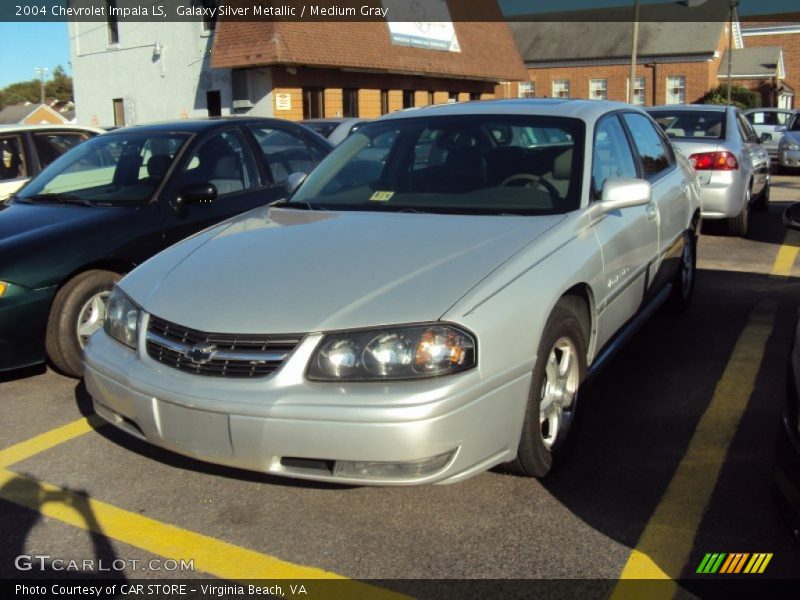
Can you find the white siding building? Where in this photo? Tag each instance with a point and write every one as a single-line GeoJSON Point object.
{"type": "Point", "coordinates": [126, 73]}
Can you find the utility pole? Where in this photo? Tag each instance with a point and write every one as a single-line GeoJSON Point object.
{"type": "Point", "coordinates": [633, 51]}
{"type": "Point", "coordinates": [733, 5]}
{"type": "Point", "coordinates": [41, 73]}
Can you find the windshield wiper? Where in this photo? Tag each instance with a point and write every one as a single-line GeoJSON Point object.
{"type": "Point", "coordinates": [60, 199]}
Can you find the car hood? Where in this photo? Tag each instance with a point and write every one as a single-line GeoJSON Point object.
{"type": "Point", "coordinates": [289, 271]}
{"type": "Point", "coordinates": [792, 136]}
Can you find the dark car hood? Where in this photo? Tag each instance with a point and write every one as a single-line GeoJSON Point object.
{"type": "Point", "coordinates": [29, 230]}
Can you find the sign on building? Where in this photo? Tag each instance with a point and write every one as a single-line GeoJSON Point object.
{"type": "Point", "coordinates": [422, 24]}
{"type": "Point", "coordinates": [283, 101]}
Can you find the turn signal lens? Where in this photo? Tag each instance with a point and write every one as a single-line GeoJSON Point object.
{"type": "Point", "coordinates": [3, 288]}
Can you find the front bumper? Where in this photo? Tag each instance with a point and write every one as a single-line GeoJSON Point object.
{"type": "Point", "coordinates": [23, 322]}
{"type": "Point", "coordinates": [285, 425]}
{"type": "Point", "coordinates": [722, 196]}
{"type": "Point", "coordinates": [789, 158]}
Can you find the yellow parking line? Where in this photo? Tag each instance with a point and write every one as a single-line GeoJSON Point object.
{"type": "Point", "coordinates": [210, 555]}
{"type": "Point", "coordinates": [785, 260]}
{"type": "Point", "coordinates": [666, 543]}
{"type": "Point", "coordinates": [45, 441]}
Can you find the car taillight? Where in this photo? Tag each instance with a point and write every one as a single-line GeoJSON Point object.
{"type": "Point", "coordinates": [714, 161]}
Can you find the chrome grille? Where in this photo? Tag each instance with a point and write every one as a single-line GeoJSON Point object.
{"type": "Point", "coordinates": [217, 354]}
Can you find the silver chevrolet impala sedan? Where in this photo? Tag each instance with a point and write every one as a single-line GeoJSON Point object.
{"type": "Point", "coordinates": [424, 306]}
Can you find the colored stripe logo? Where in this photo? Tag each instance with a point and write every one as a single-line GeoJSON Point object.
{"type": "Point", "coordinates": [732, 563]}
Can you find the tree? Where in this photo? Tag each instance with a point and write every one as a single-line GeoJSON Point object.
{"type": "Point", "coordinates": [59, 87]}
{"type": "Point", "coordinates": [740, 97]}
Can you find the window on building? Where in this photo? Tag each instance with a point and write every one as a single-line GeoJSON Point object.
{"type": "Point", "coordinates": [431, 98]}
{"type": "Point", "coordinates": [384, 102]}
{"type": "Point", "coordinates": [112, 22]}
{"type": "Point", "coordinates": [119, 112]}
{"type": "Point", "coordinates": [12, 158]}
{"type": "Point", "coordinates": [408, 98]}
{"type": "Point", "coordinates": [350, 102]}
{"type": "Point", "coordinates": [561, 88]}
{"type": "Point", "coordinates": [214, 103]}
{"type": "Point", "coordinates": [652, 147]}
{"type": "Point", "coordinates": [527, 89]}
{"type": "Point", "coordinates": [209, 16]}
{"type": "Point", "coordinates": [639, 90]}
{"type": "Point", "coordinates": [473, 96]}
{"type": "Point", "coordinates": [452, 97]}
{"type": "Point", "coordinates": [598, 89]}
{"type": "Point", "coordinates": [240, 86]}
{"type": "Point", "coordinates": [676, 90]}
{"type": "Point", "coordinates": [313, 103]}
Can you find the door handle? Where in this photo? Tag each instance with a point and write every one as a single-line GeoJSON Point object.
{"type": "Point", "coordinates": [650, 212]}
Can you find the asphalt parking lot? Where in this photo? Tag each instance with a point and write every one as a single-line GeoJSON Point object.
{"type": "Point", "coordinates": [673, 461]}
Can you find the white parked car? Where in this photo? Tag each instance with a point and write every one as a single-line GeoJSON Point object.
{"type": "Point", "coordinates": [27, 149]}
{"type": "Point", "coordinates": [426, 304]}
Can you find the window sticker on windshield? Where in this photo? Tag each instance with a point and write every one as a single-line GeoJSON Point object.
{"type": "Point", "coordinates": [381, 196]}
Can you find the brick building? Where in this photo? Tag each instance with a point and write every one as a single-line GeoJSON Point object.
{"type": "Point", "coordinates": [760, 69]}
{"type": "Point", "coordinates": [677, 62]}
{"type": "Point", "coordinates": [354, 69]}
{"type": "Point", "coordinates": [786, 36]}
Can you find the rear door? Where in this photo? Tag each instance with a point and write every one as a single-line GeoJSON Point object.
{"type": "Point", "coordinates": [628, 237]}
{"type": "Point", "coordinates": [754, 152]}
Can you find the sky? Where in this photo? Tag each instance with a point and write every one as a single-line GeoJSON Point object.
{"type": "Point", "coordinates": [25, 46]}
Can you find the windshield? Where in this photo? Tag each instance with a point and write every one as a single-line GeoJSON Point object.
{"type": "Point", "coordinates": [794, 124]}
{"type": "Point", "coordinates": [120, 169]}
{"type": "Point", "coordinates": [691, 124]}
{"type": "Point", "coordinates": [487, 164]}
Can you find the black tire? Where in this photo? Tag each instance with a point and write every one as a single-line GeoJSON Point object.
{"type": "Point", "coordinates": [62, 342]}
{"type": "Point", "coordinates": [537, 456]}
{"type": "Point", "coordinates": [740, 224]}
{"type": "Point", "coordinates": [761, 203]}
{"type": "Point", "coordinates": [683, 286]}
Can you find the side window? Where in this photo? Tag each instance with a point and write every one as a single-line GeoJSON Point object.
{"type": "Point", "coordinates": [749, 133]}
{"type": "Point", "coordinates": [49, 146]}
{"type": "Point", "coordinates": [650, 145]}
{"type": "Point", "coordinates": [12, 158]}
{"type": "Point", "coordinates": [611, 154]}
{"type": "Point", "coordinates": [283, 152]}
{"type": "Point", "coordinates": [224, 161]}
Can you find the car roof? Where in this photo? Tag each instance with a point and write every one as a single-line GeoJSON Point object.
{"type": "Point", "coordinates": [50, 127]}
{"type": "Point", "coordinates": [690, 107]}
{"type": "Point", "coordinates": [582, 109]}
{"type": "Point", "coordinates": [193, 125]}
{"type": "Point", "coordinates": [766, 109]}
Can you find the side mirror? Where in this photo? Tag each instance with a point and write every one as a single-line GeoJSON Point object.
{"type": "Point", "coordinates": [623, 192]}
{"type": "Point", "coordinates": [294, 180]}
{"type": "Point", "coordinates": [791, 216]}
{"type": "Point", "coordinates": [765, 137]}
{"type": "Point", "coordinates": [196, 193]}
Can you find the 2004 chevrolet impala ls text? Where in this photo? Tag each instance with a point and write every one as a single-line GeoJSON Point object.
{"type": "Point", "coordinates": [424, 306]}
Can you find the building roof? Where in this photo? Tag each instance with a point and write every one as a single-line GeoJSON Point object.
{"type": "Point", "coordinates": [716, 11]}
{"type": "Point", "coordinates": [543, 42]}
{"type": "Point", "coordinates": [765, 61]}
{"type": "Point", "coordinates": [487, 49]}
{"type": "Point", "coordinates": [17, 113]}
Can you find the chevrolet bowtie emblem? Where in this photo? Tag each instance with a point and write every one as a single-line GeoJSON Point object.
{"type": "Point", "coordinates": [200, 354]}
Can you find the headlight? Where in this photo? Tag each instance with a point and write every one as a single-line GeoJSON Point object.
{"type": "Point", "coordinates": [122, 318]}
{"type": "Point", "coordinates": [792, 146]}
{"type": "Point", "coordinates": [393, 353]}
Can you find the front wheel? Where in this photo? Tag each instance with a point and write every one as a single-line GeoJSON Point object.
{"type": "Point", "coordinates": [762, 202]}
{"type": "Point", "coordinates": [553, 398]}
{"type": "Point", "coordinates": [78, 310]}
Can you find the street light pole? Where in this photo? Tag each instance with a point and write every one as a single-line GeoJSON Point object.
{"type": "Point", "coordinates": [733, 5]}
{"type": "Point", "coordinates": [41, 72]}
{"type": "Point", "coordinates": [633, 51]}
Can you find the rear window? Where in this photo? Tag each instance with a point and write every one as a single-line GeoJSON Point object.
{"type": "Point", "coordinates": [691, 124]}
